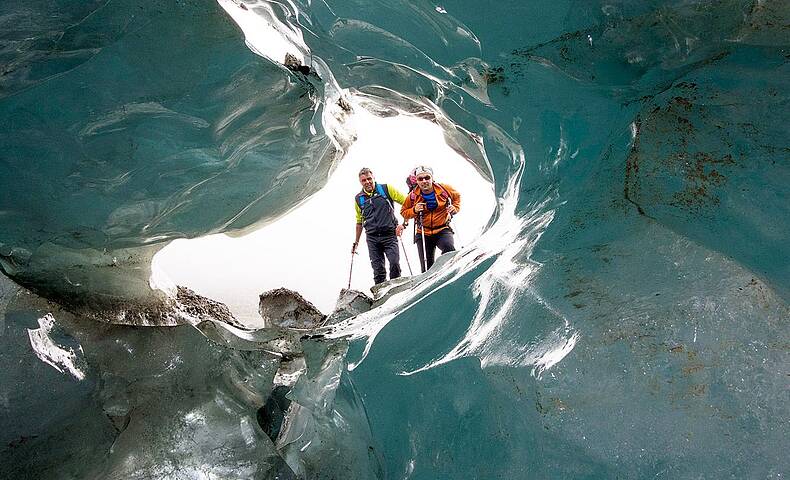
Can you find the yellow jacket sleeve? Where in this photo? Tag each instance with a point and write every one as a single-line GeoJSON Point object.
{"type": "Point", "coordinates": [395, 194]}
{"type": "Point", "coordinates": [358, 211]}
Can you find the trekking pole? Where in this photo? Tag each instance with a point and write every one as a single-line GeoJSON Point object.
{"type": "Point", "coordinates": [405, 256]}
{"type": "Point", "coordinates": [424, 259]}
{"type": "Point", "coordinates": [350, 270]}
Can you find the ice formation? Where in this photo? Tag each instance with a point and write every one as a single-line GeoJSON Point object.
{"type": "Point", "coordinates": [623, 314]}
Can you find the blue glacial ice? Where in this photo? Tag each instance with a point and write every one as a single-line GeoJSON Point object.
{"type": "Point", "coordinates": [624, 314]}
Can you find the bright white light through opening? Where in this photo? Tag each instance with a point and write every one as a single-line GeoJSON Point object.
{"type": "Point", "coordinates": [309, 249]}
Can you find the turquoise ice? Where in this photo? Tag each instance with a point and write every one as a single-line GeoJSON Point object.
{"type": "Point", "coordinates": [623, 316]}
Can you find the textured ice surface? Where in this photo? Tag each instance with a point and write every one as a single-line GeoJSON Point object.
{"type": "Point", "coordinates": [170, 403]}
{"type": "Point", "coordinates": [124, 125]}
{"type": "Point", "coordinates": [624, 314]}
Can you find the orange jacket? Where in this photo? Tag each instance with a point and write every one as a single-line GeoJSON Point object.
{"type": "Point", "coordinates": [437, 220]}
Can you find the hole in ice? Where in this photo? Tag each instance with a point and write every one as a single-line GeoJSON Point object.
{"type": "Point", "coordinates": [309, 249]}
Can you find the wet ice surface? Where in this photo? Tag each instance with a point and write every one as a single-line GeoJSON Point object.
{"type": "Point", "coordinates": [129, 142]}
{"type": "Point", "coordinates": [624, 315]}
{"type": "Point", "coordinates": [173, 403]}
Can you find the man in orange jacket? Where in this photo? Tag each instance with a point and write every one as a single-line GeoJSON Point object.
{"type": "Point", "coordinates": [433, 205]}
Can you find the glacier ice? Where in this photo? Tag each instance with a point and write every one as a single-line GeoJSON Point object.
{"type": "Point", "coordinates": [129, 142]}
{"type": "Point", "coordinates": [624, 314]}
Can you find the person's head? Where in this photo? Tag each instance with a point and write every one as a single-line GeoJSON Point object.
{"type": "Point", "coordinates": [424, 177]}
{"type": "Point", "coordinates": [367, 180]}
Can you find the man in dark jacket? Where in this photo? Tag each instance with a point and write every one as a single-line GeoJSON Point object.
{"type": "Point", "coordinates": [375, 213]}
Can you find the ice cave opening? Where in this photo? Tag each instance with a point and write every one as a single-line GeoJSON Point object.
{"type": "Point", "coordinates": [308, 248]}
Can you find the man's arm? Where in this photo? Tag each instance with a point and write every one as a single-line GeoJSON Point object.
{"type": "Point", "coordinates": [455, 197]}
{"type": "Point", "coordinates": [395, 194]}
{"type": "Point", "coordinates": [407, 209]}
{"type": "Point", "coordinates": [358, 232]}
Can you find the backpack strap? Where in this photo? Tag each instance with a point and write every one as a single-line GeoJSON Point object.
{"type": "Point", "coordinates": [381, 188]}
{"type": "Point", "coordinates": [444, 194]}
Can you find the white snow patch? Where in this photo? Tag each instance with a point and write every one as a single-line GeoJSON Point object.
{"type": "Point", "coordinates": [61, 359]}
{"type": "Point", "coordinates": [264, 33]}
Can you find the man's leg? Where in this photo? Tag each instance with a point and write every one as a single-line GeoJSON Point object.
{"type": "Point", "coordinates": [376, 252]}
{"type": "Point", "coordinates": [393, 256]}
{"type": "Point", "coordinates": [430, 246]}
{"type": "Point", "coordinates": [418, 241]}
{"type": "Point", "coordinates": [445, 241]}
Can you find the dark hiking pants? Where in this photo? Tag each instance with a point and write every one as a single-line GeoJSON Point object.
{"type": "Point", "coordinates": [378, 247]}
{"type": "Point", "coordinates": [443, 240]}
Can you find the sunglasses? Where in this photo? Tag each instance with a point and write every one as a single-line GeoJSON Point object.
{"type": "Point", "coordinates": [422, 179]}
